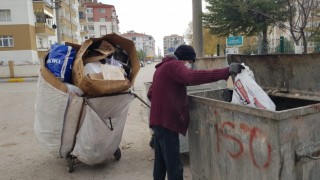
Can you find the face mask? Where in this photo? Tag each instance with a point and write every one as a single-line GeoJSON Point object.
{"type": "Point", "coordinates": [188, 65]}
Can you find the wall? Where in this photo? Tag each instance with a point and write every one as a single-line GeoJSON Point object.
{"type": "Point", "coordinates": [20, 71]}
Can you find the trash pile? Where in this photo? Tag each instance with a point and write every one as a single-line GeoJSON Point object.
{"type": "Point", "coordinates": [83, 97]}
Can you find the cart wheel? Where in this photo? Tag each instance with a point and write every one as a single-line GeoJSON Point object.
{"type": "Point", "coordinates": [69, 164]}
{"type": "Point", "coordinates": [117, 154]}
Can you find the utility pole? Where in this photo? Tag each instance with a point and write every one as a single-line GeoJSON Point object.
{"type": "Point", "coordinates": [197, 27]}
{"type": "Point", "coordinates": [57, 7]}
{"type": "Point", "coordinates": [112, 27]}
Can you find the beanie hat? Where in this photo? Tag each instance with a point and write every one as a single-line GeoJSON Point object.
{"type": "Point", "coordinates": [185, 52]}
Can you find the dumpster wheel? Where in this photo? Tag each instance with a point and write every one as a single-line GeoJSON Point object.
{"type": "Point", "coordinates": [70, 161]}
{"type": "Point", "coordinates": [117, 154]}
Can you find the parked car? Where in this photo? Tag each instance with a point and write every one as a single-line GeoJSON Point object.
{"type": "Point", "coordinates": [149, 62]}
{"type": "Point", "coordinates": [142, 64]}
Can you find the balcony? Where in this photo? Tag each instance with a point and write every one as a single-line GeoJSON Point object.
{"type": "Point", "coordinates": [44, 29]}
{"type": "Point", "coordinates": [67, 38]}
{"type": "Point", "coordinates": [74, 27]}
{"type": "Point", "coordinates": [42, 7]}
{"type": "Point", "coordinates": [83, 33]}
{"type": "Point", "coordinates": [65, 21]}
{"type": "Point", "coordinates": [83, 22]}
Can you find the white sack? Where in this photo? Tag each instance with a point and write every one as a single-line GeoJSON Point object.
{"type": "Point", "coordinates": [70, 124]}
{"type": "Point", "coordinates": [56, 118]}
{"type": "Point", "coordinates": [95, 142]}
{"type": "Point", "coordinates": [247, 92]}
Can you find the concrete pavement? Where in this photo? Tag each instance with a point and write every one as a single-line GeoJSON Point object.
{"type": "Point", "coordinates": [22, 157]}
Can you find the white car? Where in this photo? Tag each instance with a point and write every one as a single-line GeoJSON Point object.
{"type": "Point", "coordinates": [149, 62]}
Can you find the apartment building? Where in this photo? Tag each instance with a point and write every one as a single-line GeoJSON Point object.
{"type": "Point", "coordinates": [18, 30]}
{"type": "Point", "coordinates": [68, 24]}
{"type": "Point", "coordinates": [143, 42]}
{"type": "Point", "coordinates": [170, 43]}
{"type": "Point", "coordinates": [97, 19]}
{"type": "Point", "coordinates": [298, 21]}
{"type": "Point", "coordinates": [29, 27]}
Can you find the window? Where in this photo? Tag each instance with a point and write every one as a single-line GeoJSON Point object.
{"type": "Point", "coordinates": [133, 38]}
{"type": "Point", "coordinates": [81, 15]}
{"type": "Point", "coordinates": [102, 19]}
{"type": "Point", "coordinates": [5, 15]}
{"type": "Point", "coordinates": [90, 27]}
{"type": "Point", "coordinates": [40, 43]}
{"type": "Point", "coordinates": [6, 41]}
{"type": "Point", "coordinates": [89, 10]}
{"type": "Point", "coordinates": [102, 11]}
{"type": "Point", "coordinates": [90, 19]}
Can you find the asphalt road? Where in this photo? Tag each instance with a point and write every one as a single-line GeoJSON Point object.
{"type": "Point", "coordinates": [22, 157]}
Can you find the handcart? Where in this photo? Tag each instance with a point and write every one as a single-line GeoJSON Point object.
{"type": "Point", "coordinates": [87, 126]}
{"type": "Point", "coordinates": [102, 123]}
{"type": "Point", "coordinates": [101, 128]}
{"type": "Point", "coordinates": [92, 127]}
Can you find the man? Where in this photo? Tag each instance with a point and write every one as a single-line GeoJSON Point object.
{"type": "Point", "coordinates": [169, 113]}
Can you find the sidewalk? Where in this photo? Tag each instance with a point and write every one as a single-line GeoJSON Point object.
{"type": "Point", "coordinates": [18, 79]}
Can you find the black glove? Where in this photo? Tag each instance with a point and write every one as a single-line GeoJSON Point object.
{"type": "Point", "coordinates": [235, 68]}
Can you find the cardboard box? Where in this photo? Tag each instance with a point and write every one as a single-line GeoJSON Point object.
{"type": "Point", "coordinates": [93, 87]}
{"type": "Point", "coordinates": [50, 77]}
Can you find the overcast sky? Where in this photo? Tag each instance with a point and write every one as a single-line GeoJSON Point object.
{"type": "Point", "coordinates": [157, 18]}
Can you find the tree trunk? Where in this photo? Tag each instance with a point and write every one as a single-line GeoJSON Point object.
{"type": "Point", "coordinates": [264, 42]}
{"type": "Point", "coordinates": [260, 43]}
{"type": "Point", "coordinates": [304, 41]}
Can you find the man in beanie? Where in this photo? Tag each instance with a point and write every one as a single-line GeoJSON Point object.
{"type": "Point", "coordinates": [169, 113]}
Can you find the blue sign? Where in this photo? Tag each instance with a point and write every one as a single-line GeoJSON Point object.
{"type": "Point", "coordinates": [235, 41]}
{"type": "Point", "coordinates": [171, 49]}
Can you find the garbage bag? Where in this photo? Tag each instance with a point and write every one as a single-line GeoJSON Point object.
{"type": "Point", "coordinates": [60, 60]}
{"type": "Point", "coordinates": [247, 92]}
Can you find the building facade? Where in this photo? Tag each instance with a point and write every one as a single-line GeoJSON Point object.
{"type": "Point", "coordinates": [170, 43]}
{"type": "Point", "coordinates": [68, 24]}
{"type": "Point", "coordinates": [143, 42]}
{"type": "Point", "coordinates": [18, 30]}
{"type": "Point", "coordinates": [97, 20]}
{"type": "Point", "coordinates": [28, 28]}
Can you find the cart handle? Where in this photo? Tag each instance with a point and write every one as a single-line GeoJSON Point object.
{"type": "Point", "coordinates": [136, 96]}
{"type": "Point", "coordinates": [95, 110]}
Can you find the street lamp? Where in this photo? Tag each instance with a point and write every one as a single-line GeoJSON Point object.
{"type": "Point", "coordinates": [57, 6]}
{"type": "Point", "coordinates": [112, 25]}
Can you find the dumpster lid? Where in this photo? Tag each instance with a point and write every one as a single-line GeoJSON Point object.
{"type": "Point", "coordinates": [284, 73]}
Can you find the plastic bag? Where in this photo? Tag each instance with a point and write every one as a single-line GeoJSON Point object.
{"type": "Point", "coordinates": [60, 61]}
{"type": "Point", "coordinates": [247, 92]}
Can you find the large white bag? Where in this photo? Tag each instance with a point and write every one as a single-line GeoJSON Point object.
{"type": "Point", "coordinates": [56, 118]}
{"type": "Point", "coordinates": [96, 141]}
{"type": "Point", "coordinates": [247, 92]}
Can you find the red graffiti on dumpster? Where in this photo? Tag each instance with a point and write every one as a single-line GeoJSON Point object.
{"type": "Point", "coordinates": [254, 135]}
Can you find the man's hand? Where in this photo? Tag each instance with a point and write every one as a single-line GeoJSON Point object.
{"type": "Point", "coordinates": [235, 68]}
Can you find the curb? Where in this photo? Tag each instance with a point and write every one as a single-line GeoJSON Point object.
{"type": "Point", "coordinates": [25, 79]}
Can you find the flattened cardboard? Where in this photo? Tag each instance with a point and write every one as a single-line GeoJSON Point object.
{"type": "Point", "coordinates": [100, 87]}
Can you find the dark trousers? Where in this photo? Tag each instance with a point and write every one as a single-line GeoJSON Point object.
{"type": "Point", "coordinates": [167, 155]}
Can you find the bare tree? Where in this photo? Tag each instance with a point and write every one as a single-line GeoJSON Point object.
{"type": "Point", "coordinates": [303, 20]}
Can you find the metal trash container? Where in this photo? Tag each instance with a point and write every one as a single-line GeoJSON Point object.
{"type": "Point", "coordinates": [229, 141]}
